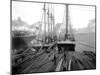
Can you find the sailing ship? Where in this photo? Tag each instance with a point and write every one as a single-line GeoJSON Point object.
{"type": "Point", "coordinates": [49, 37]}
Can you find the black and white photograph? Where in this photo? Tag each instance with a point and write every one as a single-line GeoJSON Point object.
{"type": "Point", "coordinates": [52, 37]}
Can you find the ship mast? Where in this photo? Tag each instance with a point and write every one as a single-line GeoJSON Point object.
{"type": "Point", "coordinates": [48, 22]}
{"type": "Point", "coordinates": [66, 34]}
{"type": "Point", "coordinates": [44, 9]}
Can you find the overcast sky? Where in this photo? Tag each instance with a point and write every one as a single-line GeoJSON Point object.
{"type": "Point", "coordinates": [32, 12]}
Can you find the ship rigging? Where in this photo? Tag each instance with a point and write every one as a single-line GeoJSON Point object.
{"type": "Point", "coordinates": [48, 29]}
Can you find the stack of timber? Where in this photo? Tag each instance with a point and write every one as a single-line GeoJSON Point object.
{"type": "Point", "coordinates": [38, 61]}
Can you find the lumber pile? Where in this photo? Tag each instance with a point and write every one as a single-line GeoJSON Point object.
{"type": "Point", "coordinates": [38, 61]}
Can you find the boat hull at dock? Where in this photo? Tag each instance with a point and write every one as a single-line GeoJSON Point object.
{"type": "Point", "coordinates": [66, 45]}
{"type": "Point", "coordinates": [63, 45]}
